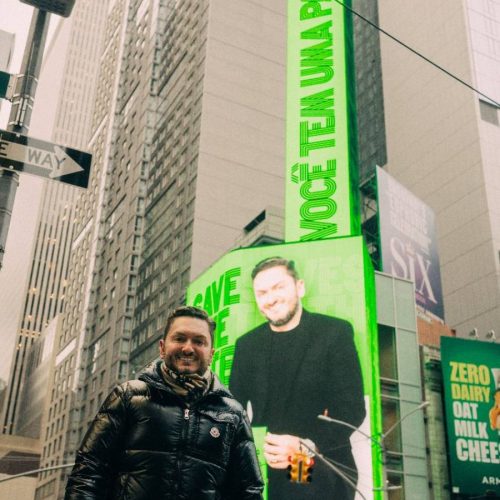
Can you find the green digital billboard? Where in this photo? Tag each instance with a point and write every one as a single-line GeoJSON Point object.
{"type": "Point", "coordinates": [321, 169]}
{"type": "Point", "coordinates": [296, 338]}
{"type": "Point", "coordinates": [471, 378]}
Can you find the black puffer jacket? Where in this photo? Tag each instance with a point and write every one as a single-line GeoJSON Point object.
{"type": "Point", "coordinates": [146, 444]}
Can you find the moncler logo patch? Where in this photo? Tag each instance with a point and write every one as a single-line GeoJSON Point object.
{"type": "Point", "coordinates": [214, 432]}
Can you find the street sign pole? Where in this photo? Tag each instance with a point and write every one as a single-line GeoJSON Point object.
{"type": "Point", "coordinates": [20, 113]}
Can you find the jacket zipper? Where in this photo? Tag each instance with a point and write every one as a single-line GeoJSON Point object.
{"type": "Point", "coordinates": [182, 446]}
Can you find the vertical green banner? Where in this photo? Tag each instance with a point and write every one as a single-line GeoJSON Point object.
{"type": "Point", "coordinates": [471, 378]}
{"type": "Point", "coordinates": [321, 169]}
{"type": "Point", "coordinates": [286, 371]}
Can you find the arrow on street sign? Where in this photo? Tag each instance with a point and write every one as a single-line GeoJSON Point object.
{"type": "Point", "coordinates": [45, 159]}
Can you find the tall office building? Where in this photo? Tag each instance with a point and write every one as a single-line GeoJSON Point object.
{"type": "Point", "coordinates": [95, 42]}
{"type": "Point", "coordinates": [217, 158]}
{"type": "Point", "coordinates": [369, 91]}
{"type": "Point", "coordinates": [107, 246]}
{"type": "Point", "coordinates": [45, 291]}
{"type": "Point", "coordinates": [443, 141]}
{"type": "Point", "coordinates": [62, 114]}
{"type": "Point", "coordinates": [188, 146]}
{"type": "Point", "coordinates": [33, 400]}
{"type": "Point", "coordinates": [437, 463]}
{"type": "Point", "coordinates": [94, 339]}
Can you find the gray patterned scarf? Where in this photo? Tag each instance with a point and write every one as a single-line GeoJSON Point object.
{"type": "Point", "coordinates": [191, 386]}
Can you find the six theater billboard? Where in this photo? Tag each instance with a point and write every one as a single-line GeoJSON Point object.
{"type": "Point", "coordinates": [408, 241]}
{"type": "Point", "coordinates": [471, 377]}
{"type": "Point", "coordinates": [287, 373]}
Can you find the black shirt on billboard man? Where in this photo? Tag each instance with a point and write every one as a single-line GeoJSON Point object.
{"type": "Point", "coordinates": [291, 369]}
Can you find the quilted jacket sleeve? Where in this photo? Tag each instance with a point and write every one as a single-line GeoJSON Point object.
{"type": "Point", "coordinates": [93, 473]}
{"type": "Point", "coordinates": [244, 477]}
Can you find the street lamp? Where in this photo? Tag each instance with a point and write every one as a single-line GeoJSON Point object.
{"type": "Point", "coordinates": [474, 333]}
{"type": "Point", "coordinates": [404, 417]}
{"type": "Point", "coordinates": [380, 442]}
{"type": "Point", "coordinates": [491, 335]}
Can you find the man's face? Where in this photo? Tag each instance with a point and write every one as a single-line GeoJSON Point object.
{"type": "Point", "coordinates": [278, 296]}
{"type": "Point", "coordinates": [187, 347]}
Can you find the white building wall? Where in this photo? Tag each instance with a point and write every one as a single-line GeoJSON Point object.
{"type": "Point", "coordinates": [436, 148]}
{"type": "Point", "coordinates": [241, 159]}
{"type": "Point", "coordinates": [484, 29]}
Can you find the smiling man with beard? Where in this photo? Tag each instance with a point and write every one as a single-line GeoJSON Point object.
{"type": "Point", "coordinates": [289, 370]}
{"type": "Point", "coordinates": [176, 433]}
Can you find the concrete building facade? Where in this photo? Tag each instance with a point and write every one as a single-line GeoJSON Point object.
{"type": "Point", "coordinates": [75, 339]}
{"type": "Point", "coordinates": [443, 141]}
{"type": "Point", "coordinates": [369, 90]}
{"type": "Point", "coordinates": [18, 455]}
{"type": "Point", "coordinates": [46, 289]}
{"type": "Point", "coordinates": [58, 398]}
{"type": "Point", "coordinates": [401, 389]}
{"type": "Point", "coordinates": [218, 151]}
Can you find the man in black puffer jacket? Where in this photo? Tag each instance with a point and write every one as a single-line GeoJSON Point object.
{"type": "Point", "coordinates": [176, 433]}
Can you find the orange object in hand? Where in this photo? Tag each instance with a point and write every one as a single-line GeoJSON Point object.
{"type": "Point", "coordinates": [300, 468]}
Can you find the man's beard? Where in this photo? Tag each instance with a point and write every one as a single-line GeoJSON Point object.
{"type": "Point", "coordinates": [172, 363]}
{"type": "Point", "coordinates": [285, 319]}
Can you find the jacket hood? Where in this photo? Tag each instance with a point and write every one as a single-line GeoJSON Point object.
{"type": "Point", "coordinates": [152, 376]}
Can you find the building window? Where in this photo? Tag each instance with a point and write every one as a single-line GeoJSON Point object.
{"type": "Point", "coordinates": [387, 352]}
{"type": "Point", "coordinates": [122, 370]}
{"type": "Point", "coordinates": [391, 417]}
{"type": "Point", "coordinates": [395, 479]}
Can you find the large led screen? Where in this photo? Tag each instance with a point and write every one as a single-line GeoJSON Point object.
{"type": "Point", "coordinates": [295, 339]}
{"type": "Point", "coordinates": [321, 172]}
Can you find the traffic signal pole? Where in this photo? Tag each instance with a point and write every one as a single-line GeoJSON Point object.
{"type": "Point", "coordinates": [20, 113]}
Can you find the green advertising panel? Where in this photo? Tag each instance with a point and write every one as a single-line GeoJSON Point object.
{"type": "Point", "coordinates": [297, 340]}
{"type": "Point", "coordinates": [321, 184]}
{"type": "Point", "coordinates": [471, 378]}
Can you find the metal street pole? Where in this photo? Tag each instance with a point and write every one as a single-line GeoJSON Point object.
{"type": "Point", "coordinates": [379, 441]}
{"type": "Point", "coordinates": [35, 471]}
{"type": "Point", "coordinates": [20, 113]}
{"type": "Point", "coordinates": [332, 466]}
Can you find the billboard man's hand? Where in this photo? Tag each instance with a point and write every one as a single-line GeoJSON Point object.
{"type": "Point", "coordinates": [277, 449]}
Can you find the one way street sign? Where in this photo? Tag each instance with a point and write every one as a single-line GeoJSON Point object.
{"type": "Point", "coordinates": [45, 159]}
